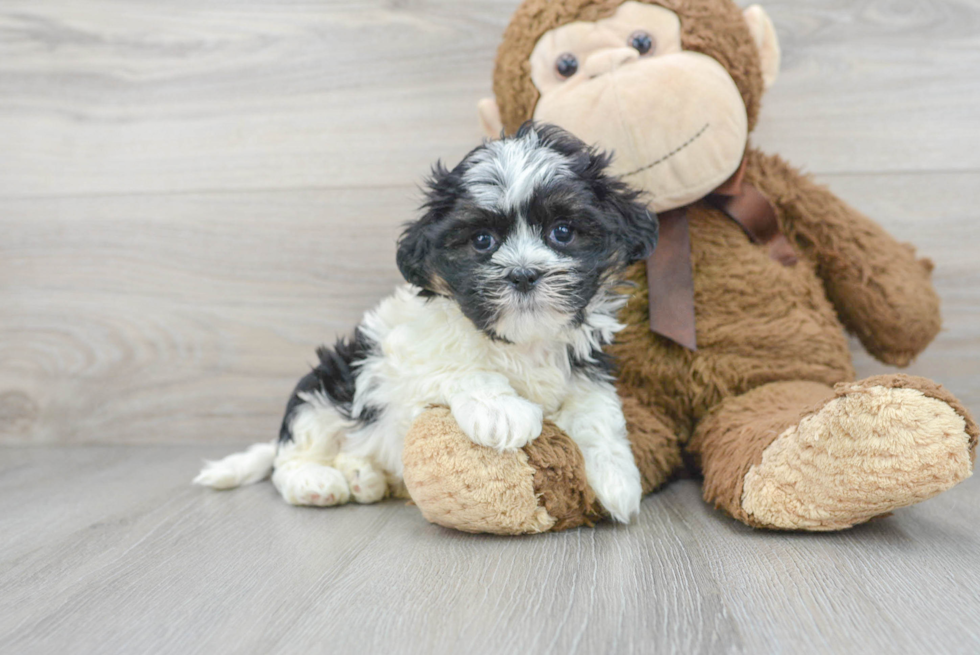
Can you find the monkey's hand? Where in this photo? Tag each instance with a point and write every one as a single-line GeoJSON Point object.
{"type": "Point", "coordinates": [883, 294]}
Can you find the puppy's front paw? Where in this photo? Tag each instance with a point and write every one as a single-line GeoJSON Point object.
{"type": "Point", "coordinates": [616, 482]}
{"type": "Point", "coordinates": [501, 422]}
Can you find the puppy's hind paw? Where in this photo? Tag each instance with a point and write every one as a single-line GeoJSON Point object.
{"type": "Point", "coordinates": [367, 482]}
{"type": "Point", "coordinates": [501, 422]}
{"type": "Point", "coordinates": [310, 484]}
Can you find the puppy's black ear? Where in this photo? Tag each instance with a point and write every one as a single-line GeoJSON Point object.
{"type": "Point", "coordinates": [639, 227]}
{"type": "Point", "coordinates": [417, 242]}
{"type": "Point", "coordinates": [414, 247]}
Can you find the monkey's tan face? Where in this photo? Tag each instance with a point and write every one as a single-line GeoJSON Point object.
{"type": "Point", "coordinates": [674, 118]}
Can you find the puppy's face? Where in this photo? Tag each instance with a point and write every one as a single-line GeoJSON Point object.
{"type": "Point", "coordinates": [526, 234]}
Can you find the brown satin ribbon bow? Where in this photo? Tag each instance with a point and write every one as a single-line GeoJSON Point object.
{"type": "Point", "coordinates": [670, 277]}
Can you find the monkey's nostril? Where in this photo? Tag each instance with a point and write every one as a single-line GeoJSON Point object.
{"type": "Point", "coordinates": [523, 279]}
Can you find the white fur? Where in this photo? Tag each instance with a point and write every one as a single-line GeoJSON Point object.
{"type": "Point", "coordinates": [523, 317]}
{"type": "Point", "coordinates": [241, 468]}
{"type": "Point", "coordinates": [498, 392]}
{"type": "Point", "coordinates": [495, 416]}
{"type": "Point", "coordinates": [431, 354]}
{"type": "Point", "coordinates": [368, 483]}
{"type": "Point", "coordinates": [427, 352]}
{"type": "Point", "coordinates": [305, 468]}
{"type": "Point", "coordinates": [304, 482]}
{"type": "Point", "coordinates": [592, 416]}
{"type": "Point", "coordinates": [505, 174]}
{"type": "Point", "coordinates": [524, 248]}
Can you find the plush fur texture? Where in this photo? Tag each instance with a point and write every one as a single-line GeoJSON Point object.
{"type": "Point", "coordinates": [773, 370]}
{"type": "Point", "coordinates": [912, 430]}
{"type": "Point", "coordinates": [675, 118]}
{"type": "Point", "coordinates": [504, 480]}
{"type": "Point", "coordinates": [516, 277]}
{"type": "Point", "coordinates": [711, 27]}
{"type": "Point", "coordinates": [870, 450]}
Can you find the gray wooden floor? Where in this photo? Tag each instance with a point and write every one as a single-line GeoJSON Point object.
{"type": "Point", "coordinates": [106, 549]}
{"type": "Point", "coordinates": [193, 194]}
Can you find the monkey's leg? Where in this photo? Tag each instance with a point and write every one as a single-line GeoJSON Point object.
{"type": "Point", "coordinates": [541, 487]}
{"type": "Point", "coordinates": [803, 456]}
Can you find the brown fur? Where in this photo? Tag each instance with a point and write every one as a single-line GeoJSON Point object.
{"type": "Point", "coordinates": [732, 439]}
{"type": "Point", "coordinates": [712, 27]}
{"type": "Point", "coordinates": [559, 480]}
{"type": "Point", "coordinates": [929, 389]}
{"type": "Point", "coordinates": [771, 338]}
{"type": "Point", "coordinates": [882, 293]}
{"type": "Point", "coordinates": [656, 444]}
{"type": "Point", "coordinates": [866, 448]}
{"type": "Point", "coordinates": [457, 484]}
{"type": "Point", "coordinates": [747, 335]}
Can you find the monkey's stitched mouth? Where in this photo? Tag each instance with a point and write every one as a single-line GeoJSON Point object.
{"type": "Point", "coordinates": [672, 152]}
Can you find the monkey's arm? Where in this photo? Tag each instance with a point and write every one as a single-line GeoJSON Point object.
{"type": "Point", "coordinates": [881, 291]}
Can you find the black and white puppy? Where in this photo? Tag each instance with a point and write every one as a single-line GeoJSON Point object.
{"type": "Point", "coordinates": [514, 287]}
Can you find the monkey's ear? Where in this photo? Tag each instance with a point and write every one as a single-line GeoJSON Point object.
{"type": "Point", "coordinates": [490, 121]}
{"type": "Point", "coordinates": [764, 35]}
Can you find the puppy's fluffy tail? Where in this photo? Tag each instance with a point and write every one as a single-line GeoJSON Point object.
{"type": "Point", "coordinates": [241, 468]}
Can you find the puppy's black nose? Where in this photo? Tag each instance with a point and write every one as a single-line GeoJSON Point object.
{"type": "Point", "coordinates": [523, 279]}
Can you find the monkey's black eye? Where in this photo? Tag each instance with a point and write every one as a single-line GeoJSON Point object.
{"type": "Point", "coordinates": [483, 241]}
{"type": "Point", "coordinates": [566, 65]}
{"type": "Point", "coordinates": [562, 234]}
{"type": "Point", "coordinates": [642, 41]}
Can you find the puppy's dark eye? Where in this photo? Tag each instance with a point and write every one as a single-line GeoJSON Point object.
{"type": "Point", "coordinates": [642, 41]}
{"type": "Point", "coordinates": [483, 241]}
{"type": "Point", "coordinates": [562, 234]}
{"type": "Point", "coordinates": [566, 65]}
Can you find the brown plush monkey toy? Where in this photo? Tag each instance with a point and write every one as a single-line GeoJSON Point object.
{"type": "Point", "coordinates": [734, 352]}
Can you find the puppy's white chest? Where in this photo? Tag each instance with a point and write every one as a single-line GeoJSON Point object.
{"type": "Point", "coordinates": [426, 345]}
{"type": "Point", "coordinates": [539, 373]}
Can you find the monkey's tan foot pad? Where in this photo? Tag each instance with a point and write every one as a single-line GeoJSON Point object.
{"type": "Point", "coordinates": [880, 444]}
{"type": "Point", "coordinates": [458, 484]}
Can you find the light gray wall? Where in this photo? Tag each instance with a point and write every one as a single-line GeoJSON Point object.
{"type": "Point", "coordinates": [195, 194]}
